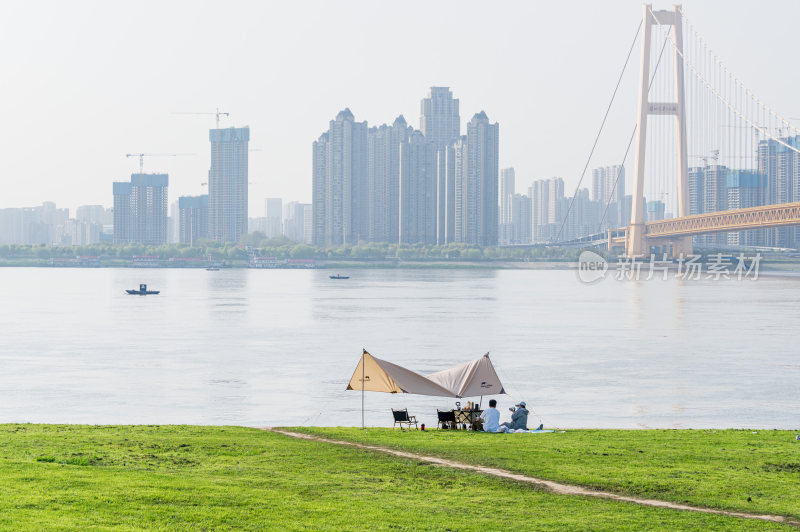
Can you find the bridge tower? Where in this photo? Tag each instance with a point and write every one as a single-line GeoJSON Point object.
{"type": "Point", "coordinates": [636, 243]}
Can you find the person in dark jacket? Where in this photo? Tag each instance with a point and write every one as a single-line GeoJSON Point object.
{"type": "Point", "coordinates": [519, 417]}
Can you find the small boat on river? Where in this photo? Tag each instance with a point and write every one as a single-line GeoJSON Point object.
{"type": "Point", "coordinates": [142, 291]}
{"type": "Point", "coordinates": [339, 276]}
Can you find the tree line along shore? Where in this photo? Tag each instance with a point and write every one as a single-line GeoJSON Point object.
{"type": "Point", "coordinates": [283, 249]}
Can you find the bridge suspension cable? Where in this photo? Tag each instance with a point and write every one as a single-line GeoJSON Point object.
{"type": "Point", "coordinates": [749, 154]}
{"type": "Point", "coordinates": [725, 69]}
{"type": "Point", "coordinates": [630, 141]}
{"type": "Point", "coordinates": [599, 132]}
{"type": "Point", "coordinates": [710, 115]}
{"type": "Point", "coordinates": [725, 78]}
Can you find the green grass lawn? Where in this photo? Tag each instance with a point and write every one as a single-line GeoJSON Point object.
{"type": "Point", "coordinates": [185, 477]}
{"type": "Point", "coordinates": [729, 469]}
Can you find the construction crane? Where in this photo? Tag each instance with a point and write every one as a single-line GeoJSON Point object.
{"type": "Point", "coordinates": [705, 158]}
{"type": "Point", "coordinates": [218, 113]}
{"type": "Point", "coordinates": [141, 157]}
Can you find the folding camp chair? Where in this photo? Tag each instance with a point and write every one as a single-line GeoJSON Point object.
{"type": "Point", "coordinates": [401, 417]}
{"type": "Point", "coordinates": [447, 419]}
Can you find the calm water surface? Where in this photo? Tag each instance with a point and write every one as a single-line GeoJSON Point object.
{"type": "Point", "coordinates": [260, 347]}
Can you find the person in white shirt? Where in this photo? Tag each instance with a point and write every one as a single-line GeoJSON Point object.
{"type": "Point", "coordinates": [491, 417]}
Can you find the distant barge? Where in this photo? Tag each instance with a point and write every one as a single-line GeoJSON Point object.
{"type": "Point", "coordinates": [142, 291]}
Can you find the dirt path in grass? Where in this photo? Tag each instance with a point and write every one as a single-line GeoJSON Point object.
{"type": "Point", "coordinates": [549, 485]}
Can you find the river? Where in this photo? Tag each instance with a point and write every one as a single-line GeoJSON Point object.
{"type": "Point", "coordinates": [277, 347]}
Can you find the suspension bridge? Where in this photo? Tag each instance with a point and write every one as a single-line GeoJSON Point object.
{"type": "Point", "coordinates": [744, 184]}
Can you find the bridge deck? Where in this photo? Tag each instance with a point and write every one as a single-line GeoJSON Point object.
{"type": "Point", "coordinates": [764, 217]}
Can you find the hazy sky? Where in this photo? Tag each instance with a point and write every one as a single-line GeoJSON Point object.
{"type": "Point", "coordinates": [84, 83]}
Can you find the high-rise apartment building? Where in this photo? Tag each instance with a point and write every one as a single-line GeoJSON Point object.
{"type": "Point", "coordinates": [418, 182]}
{"type": "Point", "coordinates": [340, 178]}
{"type": "Point", "coordinates": [273, 217]}
{"type": "Point", "coordinates": [656, 210]}
{"type": "Point", "coordinates": [383, 180]}
{"type": "Point", "coordinates": [80, 233]}
{"type": "Point", "coordinates": [697, 188]}
{"type": "Point", "coordinates": [608, 188]}
{"type": "Point", "coordinates": [192, 219]}
{"type": "Point", "coordinates": [520, 216]}
{"type": "Point", "coordinates": [715, 187]}
{"type": "Point", "coordinates": [308, 223]}
{"type": "Point", "coordinates": [440, 122]}
{"type": "Point", "coordinates": [715, 199]}
{"type": "Point", "coordinates": [556, 200]}
{"type": "Point", "coordinates": [507, 178]}
{"type": "Point", "coordinates": [32, 225]}
{"type": "Point", "coordinates": [439, 119]}
{"type": "Point", "coordinates": [547, 206]}
{"type": "Point", "coordinates": [379, 153]}
{"type": "Point", "coordinates": [319, 179]}
{"type": "Point", "coordinates": [294, 221]}
{"type": "Point", "coordinates": [96, 214]}
{"type": "Point", "coordinates": [174, 221]}
{"type": "Point", "coordinates": [395, 184]}
{"type": "Point", "coordinates": [451, 164]}
{"type": "Point", "coordinates": [140, 210]}
{"type": "Point", "coordinates": [697, 197]}
{"type": "Point", "coordinates": [580, 220]}
{"type": "Point", "coordinates": [779, 167]}
{"type": "Point", "coordinates": [227, 184]}
{"type": "Point", "coordinates": [479, 186]}
{"type": "Point", "coordinates": [539, 193]}
{"type": "Point", "coordinates": [744, 190]}
{"type": "Point", "coordinates": [123, 219]}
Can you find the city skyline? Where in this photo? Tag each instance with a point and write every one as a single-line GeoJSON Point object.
{"type": "Point", "coordinates": [135, 112]}
{"type": "Point", "coordinates": [404, 185]}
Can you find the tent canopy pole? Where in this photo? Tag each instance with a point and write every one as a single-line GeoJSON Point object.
{"type": "Point", "coordinates": [362, 388]}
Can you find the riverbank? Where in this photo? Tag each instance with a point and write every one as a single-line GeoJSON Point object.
{"type": "Point", "coordinates": [783, 265]}
{"type": "Point", "coordinates": [177, 477]}
{"type": "Point", "coordinates": [320, 264]}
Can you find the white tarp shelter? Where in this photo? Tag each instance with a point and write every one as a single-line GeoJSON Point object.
{"type": "Point", "coordinates": [381, 376]}
{"type": "Point", "coordinates": [469, 379]}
